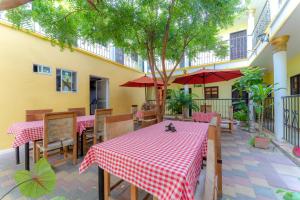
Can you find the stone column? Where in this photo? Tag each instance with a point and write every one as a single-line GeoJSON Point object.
{"type": "Point", "coordinates": [279, 46]}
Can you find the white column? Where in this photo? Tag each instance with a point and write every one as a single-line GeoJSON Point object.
{"type": "Point", "coordinates": [274, 8]}
{"type": "Point", "coordinates": [250, 28]}
{"type": "Point", "coordinates": [279, 46]}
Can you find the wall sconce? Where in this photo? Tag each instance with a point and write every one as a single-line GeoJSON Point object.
{"type": "Point", "coordinates": [263, 37]}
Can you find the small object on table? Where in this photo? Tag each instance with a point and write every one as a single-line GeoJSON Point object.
{"type": "Point", "coordinates": [170, 127]}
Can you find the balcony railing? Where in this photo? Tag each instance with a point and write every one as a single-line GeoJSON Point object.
{"type": "Point", "coordinates": [291, 121]}
{"type": "Point", "coordinates": [263, 22]}
{"type": "Point", "coordinates": [221, 106]}
{"type": "Point", "coordinates": [237, 49]}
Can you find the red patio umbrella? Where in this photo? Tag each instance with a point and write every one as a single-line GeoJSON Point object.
{"type": "Point", "coordinates": [205, 76]}
{"type": "Point", "coordinates": [143, 81]}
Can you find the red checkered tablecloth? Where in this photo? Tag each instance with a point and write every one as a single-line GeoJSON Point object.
{"type": "Point", "coordinates": [203, 117]}
{"type": "Point", "coordinates": [165, 164]}
{"type": "Point", "coordinates": [30, 131]}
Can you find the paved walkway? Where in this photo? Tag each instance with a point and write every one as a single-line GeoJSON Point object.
{"type": "Point", "coordinates": [248, 173]}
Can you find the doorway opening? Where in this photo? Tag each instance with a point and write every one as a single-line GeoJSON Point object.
{"type": "Point", "coordinates": [99, 93]}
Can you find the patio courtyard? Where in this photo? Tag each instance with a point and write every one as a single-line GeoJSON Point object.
{"type": "Point", "coordinates": [248, 173]}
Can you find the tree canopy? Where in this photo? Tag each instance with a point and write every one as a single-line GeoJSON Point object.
{"type": "Point", "coordinates": [157, 30]}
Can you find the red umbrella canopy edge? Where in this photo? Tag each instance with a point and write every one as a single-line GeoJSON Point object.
{"type": "Point", "coordinates": [205, 76]}
{"type": "Point", "coordinates": [143, 81]}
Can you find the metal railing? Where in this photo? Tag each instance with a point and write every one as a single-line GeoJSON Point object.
{"type": "Point", "coordinates": [222, 106]}
{"type": "Point", "coordinates": [262, 23]}
{"type": "Point", "coordinates": [236, 47]}
{"type": "Point", "coordinates": [268, 114]}
{"type": "Point", "coordinates": [291, 109]}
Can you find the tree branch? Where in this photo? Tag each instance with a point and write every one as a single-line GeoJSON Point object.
{"type": "Point", "coordinates": [185, 44]}
{"type": "Point", "coordinates": [10, 4]}
{"type": "Point", "coordinates": [165, 39]}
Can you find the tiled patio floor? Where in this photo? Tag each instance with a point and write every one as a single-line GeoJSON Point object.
{"type": "Point", "coordinates": [248, 173]}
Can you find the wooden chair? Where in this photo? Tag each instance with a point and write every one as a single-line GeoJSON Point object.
{"type": "Point", "coordinates": [78, 111]}
{"type": "Point", "coordinates": [134, 109]}
{"type": "Point", "coordinates": [59, 132]}
{"type": "Point", "coordinates": [98, 131]}
{"type": "Point", "coordinates": [115, 126]}
{"type": "Point", "coordinates": [206, 108]}
{"type": "Point", "coordinates": [228, 121]}
{"type": "Point", "coordinates": [149, 118]}
{"type": "Point", "coordinates": [36, 115]}
{"type": "Point", "coordinates": [211, 179]}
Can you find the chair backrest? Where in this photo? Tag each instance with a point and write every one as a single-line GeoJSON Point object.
{"type": "Point", "coordinates": [206, 108]}
{"type": "Point", "coordinates": [36, 115]}
{"type": "Point", "coordinates": [149, 114]}
{"type": "Point", "coordinates": [211, 186]}
{"type": "Point", "coordinates": [78, 111]}
{"type": "Point", "coordinates": [117, 125]}
{"type": "Point", "coordinates": [59, 126]}
{"type": "Point", "coordinates": [134, 109]}
{"type": "Point", "coordinates": [100, 114]}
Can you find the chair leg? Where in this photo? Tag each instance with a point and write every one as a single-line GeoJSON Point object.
{"type": "Point", "coordinates": [38, 154]}
{"type": "Point", "coordinates": [65, 150]}
{"type": "Point", "coordinates": [74, 154]}
{"type": "Point", "coordinates": [45, 154]}
{"type": "Point", "coordinates": [34, 152]}
{"type": "Point", "coordinates": [230, 127]}
{"type": "Point", "coordinates": [95, 139]}
{"type": "Point", "coordinates": [84, 146]}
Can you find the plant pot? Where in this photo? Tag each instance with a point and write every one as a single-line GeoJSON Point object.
{"type": "Point", "coordinates": [185, 112]}
{"type": "Point", "coordinates": [262, 142]}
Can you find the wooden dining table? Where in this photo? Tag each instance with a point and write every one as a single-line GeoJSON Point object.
{"type": "Point", "coordinates": [26, 132]}
{"type": "Point", "coordinates": [163, 163]}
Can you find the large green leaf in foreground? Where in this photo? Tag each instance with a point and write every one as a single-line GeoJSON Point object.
{"type": "Point", "coordinates": [39, 182]}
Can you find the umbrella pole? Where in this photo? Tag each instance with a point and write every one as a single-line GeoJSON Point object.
{"type": "Point", "coordinates": [146, 94]}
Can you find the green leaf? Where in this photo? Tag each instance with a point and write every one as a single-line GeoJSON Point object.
{"type": "Point", "coordinates": [39, 182]}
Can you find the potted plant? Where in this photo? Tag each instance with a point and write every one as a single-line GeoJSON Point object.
{"type": "Point", "coordinates": [179, 103]}
{"type": "Point", "coordinates": [259, 94]}
{"type": "Point", "coordinates": [241, 115]}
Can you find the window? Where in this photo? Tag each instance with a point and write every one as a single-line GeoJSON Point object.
{"type": "Point", "coordinates": [66, 80]}
{"type": "Point", "coordinates": [41, 69]}
{"type": "Point", "coordinates": [211, 92]}
{"type": "Point", "coordinates": [295, 84]}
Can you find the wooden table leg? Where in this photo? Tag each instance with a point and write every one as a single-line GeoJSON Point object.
{"type": "Point", "coordinates": [100, 183]}
{"type": "Point", "coordinates": [27, 161]}
{"type": "Point", "coordinates": [17, 151]}
{"type": "Point", "coordinates": [106, 185]}
{"type": "Point", "coordinates": [81, 144]}
{"type": "Point", "coordinates": [133, 192]}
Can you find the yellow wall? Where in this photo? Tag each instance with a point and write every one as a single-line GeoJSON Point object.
{"type": "Point", "coordinates": [224, 89]}
{"type": "Point", "coordinates": [21, 89]}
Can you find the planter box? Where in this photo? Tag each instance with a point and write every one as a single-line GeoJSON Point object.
{"type": "Point", "coordinates": [261, 142]}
